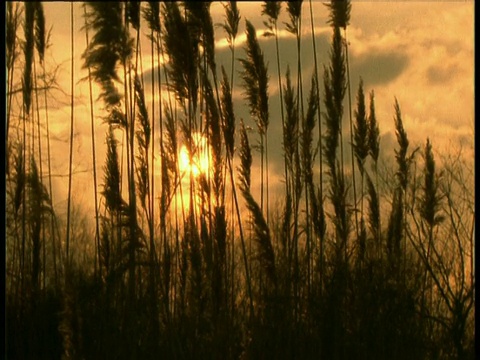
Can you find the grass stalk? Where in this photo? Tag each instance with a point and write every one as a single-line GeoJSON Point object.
{"type": "Point", "coordinates": [255, 82]}
{"type": "Point", "coordinates": [72, 114]}
{"type": "Point", "coordinates": [12, 25]}
{"type": "Point", "coordinates": [94, 160]}
{"type": "Point", "coordinates": [347, 63]}
{"type": "Point", "coordinates": [232, 17]}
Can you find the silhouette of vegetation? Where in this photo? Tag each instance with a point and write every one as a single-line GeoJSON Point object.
{"type": "Point", "coordinates": [188, 257]}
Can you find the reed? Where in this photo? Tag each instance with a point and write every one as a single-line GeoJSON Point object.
{"type": "Point", "coordinates": [182, 69]}
{"type": "Point", "coordinates": [272, 9]}
{"type": "Point", "coordinates": [261, 229]}
{"type": "Point", "coordinates": [72, 117]}
{"type": "Point", "coordinates": [255, 83]}
{"type": "Point", "coordinates": [94, 158]}
{"type": "Point", "coordinates": [308, 158]}
{"type": "Point", "coordinates": [334, 92]}
{"type": "Point", "coordinates": [291, 139]}
{"type": "Point", "coordinates": [11, 54]}
{"type": "Point", "coordinates": [360, 149]}
{"type": "Point", "coordinates": [372, 187]}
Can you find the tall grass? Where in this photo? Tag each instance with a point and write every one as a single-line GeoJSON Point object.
{"type": "Point", "coordinates": [94, 161]}
{"type": "Point", "coordinates": [175, 276]}
{"type": "Point", "coordinates": [255, 81]}
{"type": "Point", "coordinates": [11, 44]}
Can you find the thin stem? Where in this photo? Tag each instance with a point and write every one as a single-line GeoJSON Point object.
{"type": "Point", "coordinates": [242, 240]}
{"type": "Point", "coordinates": [52, 222]}
{"type": "Point", "coordinates": [351, 133]}
{"type": "Point", "coordinates": [71, 137]}
{"type": "Point", "coordinates": [92, 129]}
{"type": "Point", "coordinates": [320, 133]}
{"type": "Point", "coordinates": [282, 111]}
{"type": "Point", "coordinates": [40, 166]}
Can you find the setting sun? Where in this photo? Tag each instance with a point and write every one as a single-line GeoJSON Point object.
{"type": "Point", "coordinates": [198, 162]}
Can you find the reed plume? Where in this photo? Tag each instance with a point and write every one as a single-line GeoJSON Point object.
{"type": "Point", "coordinates": [228, 115]}
{"type": "Point", "coordinates": [430, 201]}
{"type": "Point", "coordinates": [272, 10]}
{"type": "Point", "coordinates": [11, 26]}
{"type": "Point", "coordinates": [361, 150]}
{"type": "Point", "coordinates": [39, 204]}
{"type": "Point", "coordinates": [373, 136]}
{"type": "Point", "coordinates": [255, 79]}
{"type": "Point", "coordinates": [232, 19]}
{"type": "Point", "coordinates": [170, 144]}
{"type": "Point", "coordinates": [179, 41]}
{"type": "Point", "coordinates": [41, 38]}
{"type": "Point", "coordinates": [307, 134]}
{"type": "Point", "coordinates": [143, 135]}
{"type": "Point", "coordinates": [374, 213]}
{"type": "Point", "coordinates": [401, 153]}
{"type": "Point", "coordinates": [200, 22]}
{"type": "Point", "coordinates": [430, 213]}
{"type": "Point", "coordinates": [214, 139]}
{"type": "Point", "coordinates": [337, 71]}
{"type": "Point", "coordinates": [111, 188]}
{"type": "Point", "coordinates": [262, 231]}
{"type": "Point", "coordinates": [339, 13]}
{"type": "Point", "coordinates": [360, 135]}
{"type": "Point", "coordinates": [334, 88]}
{"type": "Point", "coordinates": [294, 9]}
{"type": "Point", "coordinates": [132, 12]}
{"type": "Point", "coordinates": [151, 13]}
{"type": "Point", "coordinates": [291, 126]}
{"type": "Point", "coordinates": [20, 179]}
{"type": "Point", "coordinates": [11, 53]}
{"type": "Point", "coordinates": [373, 132]}
{"type": "Point", "coordinates": [396, 226]}
{"type": "Point", "coordinates": [110, 46]}
{"type": "Point", "coordinates": [246, 160]}
{"type": "Point", "coordinates": [28, 48]}
{"type": "Point", "coordinates": [255, 83]}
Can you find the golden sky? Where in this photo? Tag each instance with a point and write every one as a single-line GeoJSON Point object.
{"type": "Point", "coordinates": [421, 53]}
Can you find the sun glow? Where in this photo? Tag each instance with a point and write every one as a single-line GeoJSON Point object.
{"type": "Point", "coordinates": [198, 162]}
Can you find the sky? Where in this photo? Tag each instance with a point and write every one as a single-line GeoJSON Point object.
{"type": "Point", "coordinates": [420, 53]}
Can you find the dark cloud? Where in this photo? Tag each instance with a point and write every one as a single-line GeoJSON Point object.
{"type": "Point", "coordinates": [288, 57]}
{"type": "Point", "coordinates": [388, 144]}
{"type": "Point", "coordinates": [438, 74]}
{"type": "Point", "coordinates": [377, 68]}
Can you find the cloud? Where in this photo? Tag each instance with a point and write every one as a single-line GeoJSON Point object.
{"type": "Point", "coordinates": [379, 68]}
{"type": "Point", "coordinates": [421, 53]}
{"type": "Point", "coordinates": [440, 74]}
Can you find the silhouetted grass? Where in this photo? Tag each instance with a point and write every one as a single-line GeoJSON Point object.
{"type": "Point", "coordinates": [308, 287]}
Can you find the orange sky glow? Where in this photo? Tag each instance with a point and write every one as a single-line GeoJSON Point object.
{"type": "Point", "coordinates": [421, 53]}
